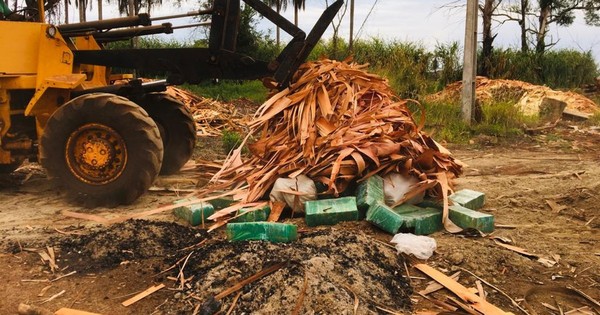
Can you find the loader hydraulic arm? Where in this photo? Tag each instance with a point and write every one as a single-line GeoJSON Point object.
{"type": "Point", "coordinates": [220, 60]}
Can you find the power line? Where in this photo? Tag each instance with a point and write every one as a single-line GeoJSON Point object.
{"type": "Point", "coordinates": [365, 20]}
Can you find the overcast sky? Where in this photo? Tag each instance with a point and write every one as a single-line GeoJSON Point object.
{"type": "Point", "coordinates": [419, 21]}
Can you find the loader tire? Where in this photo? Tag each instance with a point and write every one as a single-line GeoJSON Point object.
{"type": "Point", "coordinates": [177, 129]}
{"type": "Point", "coordinates": [104, 149]}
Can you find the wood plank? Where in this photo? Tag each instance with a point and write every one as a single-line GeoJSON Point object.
{"type": "Point", "coordinates": [463, 293]}
{"type": "Point", "coordinates": [142, 295]}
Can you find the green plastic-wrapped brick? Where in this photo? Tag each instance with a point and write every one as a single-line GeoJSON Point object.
{"type": "Point", "coordinates": [431, 203]}
{"type": "Point", "coordinates": [221, 203]}
{"type": "Point", "coordinates": [196, 213]}
{"type": "Point", "coordinates": [331, 211]}
{"type": "Point", "coordinates": [368, 193]}
{"type": "Point", "coordinates": [262, 231]}
{"type": "Point", "coordinates": [423, 221]}
{"type": "Point", "coordinates": [385, 218]}
{"type": "Point", "coordinates": [247, 215]}
{"type": "Point", "coordinates": [468, 198]}
{"type": "Point", "coordinates": [467, 218]}
{"type": "Point", "coordinates": [406, 208]}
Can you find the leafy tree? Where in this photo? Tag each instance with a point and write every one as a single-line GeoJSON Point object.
{"type": "Point", "coordinates": [536, 18]}
{"type": "Point", "coordinates": [488, 11]}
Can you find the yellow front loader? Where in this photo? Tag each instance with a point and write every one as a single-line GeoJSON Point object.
{"type": "Point", "coordinates": [107, 143]}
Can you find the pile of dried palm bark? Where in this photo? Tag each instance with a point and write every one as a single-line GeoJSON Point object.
{"type": "Point", "coordinates": [526, 96]}
{"type": "Point", "coordinates": [337, 124]}
{"type": "Point", "coordinates": [211, 116]}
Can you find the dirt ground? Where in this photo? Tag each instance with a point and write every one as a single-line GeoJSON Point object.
{"type": "Point", "coordinates": [329, 270]}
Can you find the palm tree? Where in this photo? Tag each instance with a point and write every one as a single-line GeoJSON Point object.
{"type": "Point", "coordinates": [82, 6]}
{"type": "Point", "coordinates": [282, 4]}
{"type": "Point", "coordinates": [124, 5]}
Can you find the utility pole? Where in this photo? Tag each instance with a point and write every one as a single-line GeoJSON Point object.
{"type": "Point", "coordinates": [99, 9]}
{"type": "Point", "coordinates": [469, 61]}
{"type": "Point", "coordinates": [351, 40]}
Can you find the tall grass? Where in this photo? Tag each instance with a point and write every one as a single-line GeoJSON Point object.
{"type": "Point", "coordinates": [563, 68]}
{"type": "Point", "coordinates": [411, 69]}
{"type": "Point", "coordinates": [230, 90]}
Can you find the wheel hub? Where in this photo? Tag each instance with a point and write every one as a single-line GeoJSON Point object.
{"type": "Point", "coordinates": [96, 154]}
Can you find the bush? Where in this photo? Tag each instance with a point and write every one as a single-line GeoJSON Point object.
{"type": "Point", "coordinates": [231, 141]}
{"type": "Point", "coordinates": [563, 68]}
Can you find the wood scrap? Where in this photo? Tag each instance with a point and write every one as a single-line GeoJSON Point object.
{"type": "Point", "coordinates": [476, 302]}
{"type": "Point", "coordinates": [43, 291]}
{"type": "Point", "coordinates": [544, 261]}
{"type": "Point", "coordinates": [249, 280]}
{"type": "Point", "coordinates": [54, 296]}
{"type": "Point", "coordinates": [556, 208]}
{"type": "Point", "coordinates": [276, 210]}
{"type": "Point", "coordinates": [300, 300]}
{"type": "Point", "coordinates": [586, 310]}
{"type": "Point", "coordinates": [235, 299]}
{"type": "Point", "coordinates": [338, 124]}
{"type": "Point", "coordinates": [70, 311]}
{"type": "Point", "coordinates": [439, 303]}
{"type": "Point", "coordinates": [142, 295]}
{"type": "Point", "coordinates": [480, 289]}
{"type": "Point", "coordinates": [64, 276]}
{"type": "Point", "coordinates": [498, 290]}
{"type": "Point", "coordinates": [434, 286]}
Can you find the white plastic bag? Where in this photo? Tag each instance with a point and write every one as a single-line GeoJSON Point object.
{"type": "Point", "coordinates": [395, 186]}
{"type": "Point", "coordinates": [294, 192]}
{"type": "Point", "coordinates": [420, 246]}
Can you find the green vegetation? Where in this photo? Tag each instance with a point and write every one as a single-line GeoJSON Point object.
{"type": "Point", "coordinates": [498, 119]}
{"type": "Point", "coordinates": [230, 90]}
{"type": "Point", "coordinates": [231, 140]}
{"type": "Point", "coordinates": [556, 68]}
{"type": "Point", "coordinates": [594, 120]}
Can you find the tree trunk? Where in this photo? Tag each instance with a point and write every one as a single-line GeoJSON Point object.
{"type": "Point", "coordinates": [295, 15]}
{"type": "Point", "coordinates": [523, 24]}
{"type": "Point", "coordinates": [66, 11]}
{"type": "Point", "coordinates": [277, 32]}
{"type": "Point", "coordinates": [543, 28]}
{"type": "Point", "coordinates": [82, 17]}
{"type": "Point", "coordinates": [488, 39]}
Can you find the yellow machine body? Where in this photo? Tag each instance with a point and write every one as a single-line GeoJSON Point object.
{"type": "Point", "coordinates": [36, 61]}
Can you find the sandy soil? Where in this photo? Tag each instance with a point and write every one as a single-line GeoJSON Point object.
{"type": "Point", "coordinates": [328, 269]}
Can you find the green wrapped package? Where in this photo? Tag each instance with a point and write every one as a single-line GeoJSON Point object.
{"type": "Point", "coordinates": [247, 215]}
{"type": "Point", "coordinates": [221, 203]}
{"type": "Point", "coordinates": [411, 218]}
{"type": "Point", "coordinates": [468, 198]}
{"type": "Point", "coordinates": [262, 231]}
{"type": "Point", "coordinates": [331, 211]}
{"type": "Point", "coordinates": [423, 221]}
{"type": "Point", "coordinates": [195, 214]}
{"type": "Point", "coordinates": [467, 218]}
{"type": "Point", "coordinates": [385, 218]}
{"type": "Point", "coordinates": [368, 193]}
